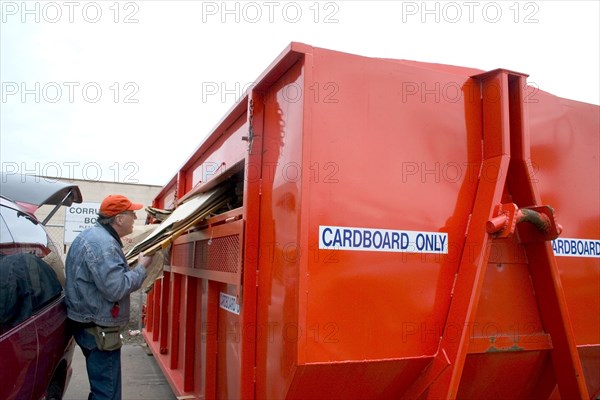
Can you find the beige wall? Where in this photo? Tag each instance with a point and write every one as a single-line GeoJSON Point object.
{"type": "Point", "coordinates": [94, 192]}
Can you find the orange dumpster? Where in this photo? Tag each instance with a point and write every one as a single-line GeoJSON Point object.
{"type": "Point", "coordinates": [385, 229]}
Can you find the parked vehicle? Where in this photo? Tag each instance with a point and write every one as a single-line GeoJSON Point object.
{"type": "Point", "coordinates": [35, 348]}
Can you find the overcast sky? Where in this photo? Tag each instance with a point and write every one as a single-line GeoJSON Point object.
{"type": "Point", "coordinates": [125, 91]}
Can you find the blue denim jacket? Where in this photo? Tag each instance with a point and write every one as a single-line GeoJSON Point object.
{"type": "Point", "coordinates": [97, 277]}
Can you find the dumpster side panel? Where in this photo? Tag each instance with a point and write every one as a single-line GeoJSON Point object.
{"type": "Point", "coordinates": [494, 377]}
{"type": "Point", "coordinates": [372, 380]}
{"type": "Point", "coordinates": [279, 254]}
{"type": "Point", "coordinates": [385, 163]}
{"type": "Point", "coordinates": [167, 197]}
{"type": "Point", "coordinates": [565, 147]}
{"type": "Point", "coordinates": [228, 149]}
{"type": "Point", "coordinates": [565, 144]}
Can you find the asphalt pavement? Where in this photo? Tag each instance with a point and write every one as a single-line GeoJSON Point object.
{"type": "Point", "coordinates": [141, 375]}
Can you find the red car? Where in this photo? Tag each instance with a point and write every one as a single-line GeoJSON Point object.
{"type": "Point", "coordinates": [35, 348]}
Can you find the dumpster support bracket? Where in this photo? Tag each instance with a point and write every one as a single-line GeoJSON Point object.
{"type": "Point", "coordinates": [506, 152]}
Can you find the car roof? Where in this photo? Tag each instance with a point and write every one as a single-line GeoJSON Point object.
{"type": "Point", "coordinates": [38, 190]}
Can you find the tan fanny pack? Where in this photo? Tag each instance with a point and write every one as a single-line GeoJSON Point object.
{"type": "Point", "coordinates": [108, 338]}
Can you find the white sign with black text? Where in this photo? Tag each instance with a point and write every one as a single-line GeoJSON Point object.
{"type": "Point", "coordinates": [79, 217]}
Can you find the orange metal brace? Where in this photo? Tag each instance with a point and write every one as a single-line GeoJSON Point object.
{"type": "Point", "coordinates": [505, 135]}
{"type": "Point", "coordinates": [542, 262]}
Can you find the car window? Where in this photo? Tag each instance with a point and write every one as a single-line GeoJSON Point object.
{"type": "Point", "coordinates": [27, 282]}
{"type": "Point", "coordinates": [26, 234]}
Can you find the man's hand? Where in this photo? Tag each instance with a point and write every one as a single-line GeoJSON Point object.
{"type": "Point", "coordinates": [144, 261]}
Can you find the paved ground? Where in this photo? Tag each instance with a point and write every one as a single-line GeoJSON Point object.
{"type": "Point", "coordinates": [142, 378]}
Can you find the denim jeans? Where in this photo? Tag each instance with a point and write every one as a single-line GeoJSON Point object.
{"type": "Point", "coordinates": [103, 368]}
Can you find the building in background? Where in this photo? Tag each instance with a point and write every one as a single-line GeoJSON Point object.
{"type": "Point", "coordinates": [67, 222]}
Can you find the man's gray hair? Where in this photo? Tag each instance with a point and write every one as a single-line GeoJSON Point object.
{"type": "Point", "coordinates": [106, 220]}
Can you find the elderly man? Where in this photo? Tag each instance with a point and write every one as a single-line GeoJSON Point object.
{"type": "Point", "coordinates": [98, 284]}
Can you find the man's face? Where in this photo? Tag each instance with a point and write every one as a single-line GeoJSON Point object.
{"type": "Point", "coordinates": [125, 221]}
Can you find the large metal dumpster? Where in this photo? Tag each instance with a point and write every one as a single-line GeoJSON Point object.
{"type": "Point", "coordinates": [401, 230]}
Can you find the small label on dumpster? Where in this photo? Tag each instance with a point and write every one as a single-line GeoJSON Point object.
{"type": "Point", "coordinates": [227, 302]}
{"type": "Point", "coordinates": [389, 240]}
{"type": "Point", "coordinates": [570, 247]}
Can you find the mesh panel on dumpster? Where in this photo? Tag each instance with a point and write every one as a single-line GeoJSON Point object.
{"type": "Point", "coordinates": [220, 255]}
{"type": "Point", "coordinates": [182, 255]}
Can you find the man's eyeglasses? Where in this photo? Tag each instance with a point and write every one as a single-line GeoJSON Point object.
{"type": "Point", "coordinates": [130, 213]}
